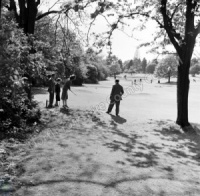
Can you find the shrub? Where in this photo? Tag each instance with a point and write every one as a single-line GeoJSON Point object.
{"type": "Point", "coordinates": [17, 116]}
{"type": "Point", "coordinates": [17, 112]}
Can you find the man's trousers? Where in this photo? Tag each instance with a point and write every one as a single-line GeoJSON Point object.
{"type": "Point", "coordinates": [112, 103]}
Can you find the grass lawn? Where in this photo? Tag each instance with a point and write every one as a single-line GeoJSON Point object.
{"type": "Point", "coordinates": [82, 151]}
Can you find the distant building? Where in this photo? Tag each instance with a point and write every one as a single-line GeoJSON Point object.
{"type": "Point", "coordinates": [137, 53]}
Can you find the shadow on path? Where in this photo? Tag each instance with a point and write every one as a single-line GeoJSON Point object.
{"type": "Point", "coordinates": [188, 142]}
{"type": "Point", "coordinates": [118, 119]}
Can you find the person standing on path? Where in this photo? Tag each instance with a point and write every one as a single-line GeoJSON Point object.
{"type": "Point", "coordinates": [66, 87]}
{"type": "Point", "coordinates": [51, 90]}
{"type": "Point", "coordinates": [57, 91]}
{"type": "Point", "coordinates": [115, 97]}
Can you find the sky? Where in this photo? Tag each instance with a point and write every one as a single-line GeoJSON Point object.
{"type": "Point", "coordinates": [123, 46]}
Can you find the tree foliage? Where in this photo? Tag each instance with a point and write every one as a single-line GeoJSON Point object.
{"type": "Point", "coordinates": [151, 68]}
{"type": "Point", "coordinates": [195, 69]}
{"type": "Point", "coordinates": [167, 67]}
{"type": "Point", "coordinates": [16, 110]}
{"type": "Point", "coordinates": [144, 65]}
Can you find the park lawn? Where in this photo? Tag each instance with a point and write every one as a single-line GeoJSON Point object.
{"type": "Point", "coordinates": [85, 152]}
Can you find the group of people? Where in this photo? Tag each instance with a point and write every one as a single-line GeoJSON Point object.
{"type": "Point", "coordinates": [54, 89]}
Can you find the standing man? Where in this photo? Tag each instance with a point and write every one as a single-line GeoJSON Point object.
{"type": "Point", "coordinates": [115, 97]}
{"type": "Point", "coordinates": [51, 90]}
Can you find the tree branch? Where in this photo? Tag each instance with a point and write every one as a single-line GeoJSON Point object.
{"type": "Point", "coordinates": [168, 27]}
{"type": "Point", "coordinates": [53, 5]}
{"type": "Point", "coordinates": [13, 7]}
{"type": "Point", "coordinates": [175, 11]}
{"type": "Point", "coordinates": [90, 28]}
{"type": "Point", "coordinates": [56, 29]}
{"type": "Point", "coordinates": [48, 13]}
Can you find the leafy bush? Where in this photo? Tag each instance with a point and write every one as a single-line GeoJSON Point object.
{"type": "Point", "coordinates": [17, 112]}
{"type": "Point", "coordinates": [17, 116]}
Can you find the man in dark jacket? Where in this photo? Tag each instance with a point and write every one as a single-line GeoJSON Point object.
{"type": "Point", "coordinates": [51, 90]}
{"type": "Point", "coordinates": [115, 97]}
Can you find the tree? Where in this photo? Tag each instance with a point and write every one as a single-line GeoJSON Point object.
{"type": "Point", "coordinates": [194, 61]}
{"type": "Point", "coordinates": [115, 69]}
{"type": "Point", "coordinates": [113, 64]}
{"type": "Point", "coordinates": [121, 64]}
{"type": "Point", "coordinates": [151, 68]}
{"type": "Point", "coordinates": [27, 14]}
{"type": "Point", "coordinates": [129, 64]}
{"type": "Point", "coordinates": [167, 67]}
{"type": "Point", "coordinates": [144, 65]}
{"type": "Point", "coordinates": [178, 19]}
{"type": "Point", "coordinates": [182, 34]}
{"type": "Point", "coordinates": [137, 65]}
{"type": "Point", "coordinates": [195, 69]}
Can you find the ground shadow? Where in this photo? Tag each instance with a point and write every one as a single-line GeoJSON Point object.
{"type": "Point", "coordinates": [114, 184]}
{"type": "Point", "coordinates": [189, 137]}
{"type": "Point", "coordinates": [66, 111]}
{"type": "Point", "coordinates": [118, 119]}
{"type": "Point", "coordinates": [138, 154]}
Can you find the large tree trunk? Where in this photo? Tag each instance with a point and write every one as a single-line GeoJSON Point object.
{"type": "Point", "coordinates": [32, 12]}
{"type": "Point", "coordinates": [27, 14]}
{"type": "Point", "coordinates": [0, 12]}
{"type": "Point", "coordinates": [183, 91]}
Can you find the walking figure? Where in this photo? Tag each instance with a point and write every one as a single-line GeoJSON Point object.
{"type": "Point", "coordinates": [115, 97]}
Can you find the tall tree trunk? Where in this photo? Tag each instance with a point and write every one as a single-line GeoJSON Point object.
{"type": "Point", "coordinates": [0, 12]}
{"type": "Point", "coordinates": [0, 9]}
{"type": "Point", "coordinates": [22, 14]}
{"type": "Point", "coordinates": [169, 78]}
{"type": "Point", "coordinates": [31, 16]}
{"type": "Point", "coordinates": [183, 91]}
{"type": "Point", "coordinates": [27, 14]}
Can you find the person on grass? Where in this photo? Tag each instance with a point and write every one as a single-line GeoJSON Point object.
{"type": "Point", "coordinates": [115, 97]}
{"type": "Point", "coordinates": [66, 87]}
{"type": "Point", "coordinates": [57, 91]}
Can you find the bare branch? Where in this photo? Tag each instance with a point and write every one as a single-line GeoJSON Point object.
{"type": "Point", "coordinates": [53, 5]}
{"type": "Point", "coordinates": [56, 28]}
{"type": "Point", "coordinates": [48, 13]}
{"type": "Point", "coordinates": [168, 26]}
{"type": "Point", "coordinates": [90, 28]}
